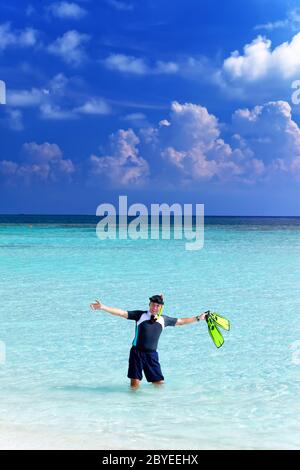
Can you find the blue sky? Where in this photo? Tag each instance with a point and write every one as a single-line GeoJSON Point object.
{"type": "Point", "coordinates": [182, 101]}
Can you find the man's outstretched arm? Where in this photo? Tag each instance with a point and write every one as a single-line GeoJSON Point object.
{"type": "Point", "coordinates": [186, 321]}
{"type": "Point", "coordinates": [118, 312]}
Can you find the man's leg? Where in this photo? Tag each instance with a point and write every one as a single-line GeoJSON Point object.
{"type": "Point", "coordinates": [135, 368]}
{"type": "Point", "coordinates": [152, 369]}
{"type": "Point", "coordinates": [134, 383]}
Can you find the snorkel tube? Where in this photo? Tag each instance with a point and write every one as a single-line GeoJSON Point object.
{"type": "Point", "coordinates": [160, 312]}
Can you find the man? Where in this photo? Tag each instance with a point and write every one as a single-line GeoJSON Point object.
{"type": "Point", "coordinates": [149, 325]}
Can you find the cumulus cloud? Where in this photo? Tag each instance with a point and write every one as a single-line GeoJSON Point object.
{"type": "Point", "coordinates": [138, 66]}
{"type": "Point", "coordinates": [259, 61]}
{"type": "Point", "coordinates": [43, 152]}
{"type": "Point", "coordinates": [70, 47]}
{"type": "Point", "coordinates": [271, 135]}
{"type": "Point", "coordinates": [265, 143]}
{"type": "Point", "coordinates": [16, 37]}
{"type": "Point", "coordinates": [68, 10]}
{"type": "Point", "coordinates": [261, 143]}
{"type": "Point", "coordinates": [191, 142]}
{"type": "Point", "coordinates": [45, 162]}
{"type": "Point", "coordinates": [123, 166]}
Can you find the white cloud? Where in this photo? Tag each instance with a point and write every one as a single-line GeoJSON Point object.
{"type": "Point", "coordinates": [136, 119]}
{"type": "Point", "coordinates": [271, 135]}
{"type": "Point", "coordinates": [42, 152]}
{"type": "Point", "coordinates": [18, 38]}
{"type": "Point", "coordinates": [191, 142]}
{"type": "Point", "coordinates": [272, 25]}
{"type": "Point", "coordinates": [138, 66]}
{"type": "Point", "coordinates": [166, 67]}
{"type": "Point", "coordinates": [124, 166]}
{"type": "Point", "coordinates": [120, 5]}
{"type": "Point", "coordinates": [28, 37]}
{"type": "Point", "coordinates": [7, 37]}
{"type": "Point", "coordinates": [55, 112]}
{"type": "Point", "coordinates": [292, 21]}
{"type": "Point", "coordinates": [24, 98]}
{"type": "Point", "coordinates": [94, 106]}
{"type": "Point", "coordinates": [149, 135]}
{"type": "Point", "coordinates": [68, 10]}
{"type": "Point", "coordinates": [70, 47]}
{"type": "Point", "coordinates": [54, 89]}
{"type": "Point", "coordinates": [45, 99]}
{"type": "Point", "coordinates": [259, 61]}
{"type": "Point", "coordinates": [135, 116]}
{"type": "Point", "coordinates": [14, 119]}
{"type": "Point", "coordinates": [58, 100]}
{"type": "Point", "coordinates": [8, 168]}
{"type": "Point", "coordinates": [262, 144]}
{"type": "Point", "coordinates": [265, 143]}
{"type": "Point", "coordinates": [164, 122]}
{"type": "Point", "coordinates": [46, 163]}
{"type": "Point", "coordinates": [128, 64]}
{"type": "Point", "coordinates": [58, 84]}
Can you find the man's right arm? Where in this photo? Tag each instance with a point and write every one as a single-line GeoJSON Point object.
{"type": "Point", "coordinates": [118, 312]}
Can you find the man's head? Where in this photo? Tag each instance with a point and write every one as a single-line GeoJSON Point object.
{"type": "Point", "coordinates": [156, 303]}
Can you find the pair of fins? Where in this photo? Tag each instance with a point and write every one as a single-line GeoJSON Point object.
{"type": "Point", "coordinates": [214, 320]}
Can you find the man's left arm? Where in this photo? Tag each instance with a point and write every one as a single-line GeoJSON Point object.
{"type": "Point", "coordinates": [187, 321]}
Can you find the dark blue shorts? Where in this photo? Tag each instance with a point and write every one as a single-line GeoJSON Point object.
{"type": "Point", "coordinates": [140, 361]}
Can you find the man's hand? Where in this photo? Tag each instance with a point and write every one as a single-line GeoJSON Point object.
{"type": "Point", "coordinates": [186, 321]}
{"type": "Point", "coordinates": [202, 316]}
{"type": "Point", "coordinates": [96, 306]}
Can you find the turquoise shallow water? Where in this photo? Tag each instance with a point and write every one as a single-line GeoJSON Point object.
{"type": "Point", "coordinates": [66, 365]}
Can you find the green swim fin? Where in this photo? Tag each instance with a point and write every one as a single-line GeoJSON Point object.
{"type": "Point", "coordinates": [214, 332]}
{"type": "Point", "coordinates": [220, 321]}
